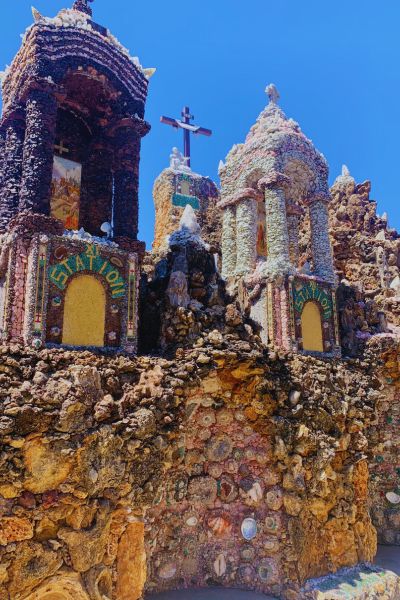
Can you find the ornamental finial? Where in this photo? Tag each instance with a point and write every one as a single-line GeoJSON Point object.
{"type": "Point", "coordinates": [83, 6]}
{"type": "Point", "coordinates": [272, 93]}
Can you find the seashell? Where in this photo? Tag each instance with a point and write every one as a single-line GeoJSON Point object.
{"type": "Point", "coordinates": [227, 489]}
{"type": "Point", "coordinates": [219, 526]}
{"type": "Point", "coordinates": [167, 571]}
{"type": "Point", "coordinates": [249, 528]}
{"type": "Point", "coordinates": [220, 565]}
{"type": "Point", "coordinates": [274, 499]}
{"type": "Point", "coordinates": [393, 498]}
{"type": "Point", "coordinates": [192, 521]}
{"type": "Point", "coordinates": [60, 252]}
{"type": "Point", "coordinates": [255, 493]}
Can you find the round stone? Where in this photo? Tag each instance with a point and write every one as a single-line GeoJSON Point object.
{"type": "Point", "coordinates": [267, 571]}
{"type": "Point", "coordinates": [215, 470]}
{"type": "Point", "coordinates": [249, 528]}
{"type": "Point", "coordinates": [206, 418]}
{"type": "Point", "coordinates": [246, 573]}
{"type": "Point", "coordinates": [224, 417]}
{"type": "Point", "coordinates": [219, 448]}
{"type": "Point", "coordinates": [247, 553]}
{"type": "Point", "coordinates": [167, 571]}
{"type": "Point", "coordinates": [274, 499]}
{"type": "Point", "coordinates": [272, 523]}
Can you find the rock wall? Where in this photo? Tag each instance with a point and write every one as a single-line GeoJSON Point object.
{"type": "Point", "coordinates": [385, 443]}
{"type": "Point", "coordinates": [96, 448]}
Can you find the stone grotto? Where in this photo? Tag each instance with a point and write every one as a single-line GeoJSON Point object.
{"type": "Point", "coordinates": [220, 411]}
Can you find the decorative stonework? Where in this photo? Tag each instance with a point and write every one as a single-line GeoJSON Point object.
{"type": "Point", "coordinates": [174, 189]}
{"type": "Point", "coordinates": [285, 177]}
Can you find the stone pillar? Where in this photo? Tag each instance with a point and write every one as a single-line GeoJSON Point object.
{"type": "Point", "coordinates": [37, 169]}
{"type": "Point", "coordinates": [97, 189]}
{"type": "Point", "coordinates": [278, 260]}
{"type": "Point", "coordinates": [246, 236]}
{"type": "Point", "coordinates": [229, 241]}
{"type": "Point", "coordinates": [12, 169]}
{"type": "Point", "coordinates": [320, 242]}
{"type": "Point", "coordinates": [293, 221]}
{"type": "Point", "coordinates": [126, 184]}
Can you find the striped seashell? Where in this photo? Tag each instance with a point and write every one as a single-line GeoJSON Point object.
{"type": "Point", "coordinates": [219, 526]}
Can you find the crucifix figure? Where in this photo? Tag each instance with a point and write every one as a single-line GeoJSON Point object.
{"type": "Point", "coordinates": [61, 148]}
{"type": "Point", "coordinates": [188, 128]}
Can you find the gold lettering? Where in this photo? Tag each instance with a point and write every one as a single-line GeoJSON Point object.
{"type": "Point", "coordinates": [91, 259]}
{"type": "Point", "coordinates": [104, 265]}
{"type": "Point", "coordinates": [92, 250]}
{"type": "Point", "coordinates": [66, 265]}
{"type": "Point", "coordinates": [112, 276]}
{"type": "Point", "coordinates": [79, 264]}
{"type": "Point", "coordinates": [60, 277]}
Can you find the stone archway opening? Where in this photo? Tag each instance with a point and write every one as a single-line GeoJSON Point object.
{"type": "Point", "coordinates": [84, 312]}
{"type": "Point", "coordinates": [311, 328]}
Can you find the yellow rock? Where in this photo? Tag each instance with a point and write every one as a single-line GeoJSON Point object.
{"type": "Point", "coordinates": [131, 563]}
{"type": "Point", "coordinates": [14, 529]}
{"type": "Point", "coordinates": [47, 468]}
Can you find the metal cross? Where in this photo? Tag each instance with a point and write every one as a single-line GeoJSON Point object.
{"type": "Point", "coordinates": [188, 128]}
{"type": "Point", "coordinates": [61, 148]}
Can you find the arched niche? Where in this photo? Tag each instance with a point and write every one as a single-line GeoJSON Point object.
{"type": "Point", "coordinates": [311, 328]}
{"type": "Point", "coordinates": [84, 312]}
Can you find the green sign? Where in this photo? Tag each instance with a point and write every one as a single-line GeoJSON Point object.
{"type": "Point", "coordinates": [312, 291]}
{"type": "Point", "coordinates": [90, 260]}
{"type": "Point", "coordinates": [182, 200]}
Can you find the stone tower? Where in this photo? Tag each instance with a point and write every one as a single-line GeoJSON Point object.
{"type": "Point", "coordinates": [176, 187]}
{"type": "Point", "coordinates": [268, 184]}
{"type": "Point", "coordinates": [71, 129]}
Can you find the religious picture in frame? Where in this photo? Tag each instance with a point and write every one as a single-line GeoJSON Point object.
{"type": "Point", "coordinates": [262, 249]}
{"type": "Point", "coordinates": [66, 191]}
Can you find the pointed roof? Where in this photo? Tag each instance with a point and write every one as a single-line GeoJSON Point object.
{"type": "Point", "coordinates": [272, 119]}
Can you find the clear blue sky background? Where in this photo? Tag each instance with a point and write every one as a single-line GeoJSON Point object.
{"type": "Point", "coordinates": [335, 63]}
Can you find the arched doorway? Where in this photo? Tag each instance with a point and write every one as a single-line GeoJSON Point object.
{"type": "Point", "coordinates": [311, 328]}
{"type": "Point", "coordinates": [84, 312]}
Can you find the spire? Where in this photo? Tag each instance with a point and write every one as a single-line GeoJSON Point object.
{"type": "Point", "coordinates": [83, 6]}
{"type": "Point", "coordinates": [272, 93]}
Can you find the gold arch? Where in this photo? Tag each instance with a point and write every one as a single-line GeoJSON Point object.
{"type": "Point", "coordinates": [84, 312]}
{"type": "Point", "coordinates": [311, 328]}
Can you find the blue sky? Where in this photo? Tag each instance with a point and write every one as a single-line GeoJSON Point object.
{"type": "Point", "coordinates": [335, 63]}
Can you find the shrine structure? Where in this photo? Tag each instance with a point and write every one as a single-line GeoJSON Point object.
{"type": "Point", "coordinates": [232, 447]}
{"type": "Point", "coordinates": [267, 185]}
{"type": "Point", "coordinates": [71, 128]}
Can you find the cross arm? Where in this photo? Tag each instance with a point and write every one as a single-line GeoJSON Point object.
{"type": "Point", "coordinates": [168, 121]}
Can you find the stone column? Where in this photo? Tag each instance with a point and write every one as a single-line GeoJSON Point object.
{"type": "Point", "coordinates": [278, 260]}
{"type": "Point", "coordinates": [293, 221]}
{"type": "Point", "coordinates": [37, 169]}
{"type": "Point", "coordinates": [320, 242]}
{"type": "Point", "coordinates": [126, 183]}
{"type": "Point", "coordinates": [246, 236]}
{"type": "Point", "coordinates": [97, 189]}
{"type": "Point", "coordinates": [12, 169]}
{"type": "Point", "coordinates": [228, 241]}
